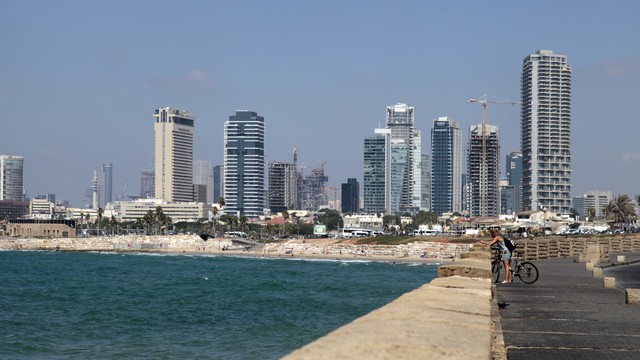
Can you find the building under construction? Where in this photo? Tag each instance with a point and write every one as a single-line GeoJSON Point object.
{"type": "Point", "coordinates": [483, 198]}
{"type": "Point", "coordinates": [313, 190]}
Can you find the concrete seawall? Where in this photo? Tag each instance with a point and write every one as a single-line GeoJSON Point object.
{"type": "Point", "coordinates": [449, 318]}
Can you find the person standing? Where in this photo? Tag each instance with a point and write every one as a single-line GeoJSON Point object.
{"type": "Point", "coordinates": [496, 237]}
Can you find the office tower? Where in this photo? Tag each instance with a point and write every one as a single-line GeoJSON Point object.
{"type": "Point", "coordinates": [482, 174]}
{"type": "Point", "coordinates": [546, 132]}
{"type": "Point", "coordinates": [281, 186]}
{"type": "Point", "coordinates": [375, 172]}
{"type": "Point", "coordinates": [295, 203]}
{"type": "Point", "coordinates": [203, 175]}
{"type": "Point", "coordinates": [313, 190]}
{"type": "Point", "coordinates": [507, 192]}
{"type": "Point", "coordinates": [403, 189]}
{"type": "Point", "coordinates": [514, 176]}
{"type": "Point", "coordinates": [350, 196]}
{"type": "Point", "coordinates": [577, 204]}
{"type": "Point", "coordinates": [426, 182]}
{"type": "Point", "coordinates": [597, 200]}
{"type": "Point", "coordinates": [244, 164]}
{"type": "Point", "coordinates": [105, 185]}
{"type": "Point", "coordinates": [147, 184]}
{"type": "Point", "coordinates": [11, 177]}
{"type": "Point", "coordinates": [218, 183]}
{"type": "Point", "coordinates": [446, 166]}
{"type": "Point", "coordinates": [173, 155]}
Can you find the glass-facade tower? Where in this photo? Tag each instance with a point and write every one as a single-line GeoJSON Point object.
{"type": "Point", "coordinates": [446, 166]}
{"type": "Point", "coordinates": [244, 166]}
{"type": "Point", "coordinates": [11, 177]}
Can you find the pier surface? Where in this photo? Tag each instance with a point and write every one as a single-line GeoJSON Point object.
{"type": "Point", "coordinates": [568, 314]}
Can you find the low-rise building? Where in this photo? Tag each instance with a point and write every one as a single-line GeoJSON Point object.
{"type": "Point", "coordinates": [41, 228]}
{"type": "Point", "coordinates": [177, 211]}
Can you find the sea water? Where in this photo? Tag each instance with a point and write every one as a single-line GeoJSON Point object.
{"type": "Point", "coordinates": [63, 305]}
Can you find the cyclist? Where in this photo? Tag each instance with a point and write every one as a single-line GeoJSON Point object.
{"type": "Point", "coordinates": [496, 237]}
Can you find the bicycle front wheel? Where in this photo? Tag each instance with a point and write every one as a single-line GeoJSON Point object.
{"type": "Point", "coordinates": [495, 270]}
{"type": "Point", "coordinates": [527, 272]}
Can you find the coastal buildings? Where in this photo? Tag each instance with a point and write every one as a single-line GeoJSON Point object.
{"type": "Point", "coordinates": [546, 132]}
{"type": "Point", "coordinates": [313, 190]}
{"type": "Point", "coordinates": [11, 177]}
{"type": "Point", "coordinates": [350, 196]}
{"type": "Point", "coordinates": [281, 186]}
{"type": "Point", "coordinates": [596, 200]}
{"type": "Point", "coordinates": [173, 155]}
{"type": "Point", "coordinates": [203, 179]}
{"type": "Point", "coordinates": [147, 184]}
{"type": "Point", "coordinates": [244, 164]}
{"type": "Point", "coordinates": [218, 183]}
{"type": "Point", "coordinates": [375, 168]}
{"type": "Point", "coordinates": [184, 211]}
{"type": "Point", "coordinates": [513, 170]}
{"type": "Point", "coordinates": [105, 185]}
{"type": "Point", "coordinates": [446, 166]}
{"type": "Point", "coordinates": [483, 171]}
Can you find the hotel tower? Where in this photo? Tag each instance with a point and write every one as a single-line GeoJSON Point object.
{"type": "Point", "coordinates": [546, 132]}
{"type": "Point", "coordinates": [173, 155]}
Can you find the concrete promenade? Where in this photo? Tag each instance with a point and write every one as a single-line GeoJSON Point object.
{"type": "Point", "coordinates": [567, 314]}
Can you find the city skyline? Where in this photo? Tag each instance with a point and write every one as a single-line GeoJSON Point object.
{"type": "Point", "coordinates": [322, 87]}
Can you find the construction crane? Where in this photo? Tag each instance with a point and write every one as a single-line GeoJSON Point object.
{"type": "Point", "coordinates": [483, 165]}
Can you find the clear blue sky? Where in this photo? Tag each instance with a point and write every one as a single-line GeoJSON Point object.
{"type": "Point", "coordinates": [79, 80]}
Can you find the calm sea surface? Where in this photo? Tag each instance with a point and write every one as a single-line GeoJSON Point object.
{"type": "Point", "coordinates": [60, 305]}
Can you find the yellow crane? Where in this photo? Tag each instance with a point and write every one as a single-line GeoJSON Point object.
{"type": "Point", "coordinates": [483, 166]}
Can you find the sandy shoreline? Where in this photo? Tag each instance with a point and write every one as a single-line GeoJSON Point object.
{"type": "Point", "coordinates": [310, 249]}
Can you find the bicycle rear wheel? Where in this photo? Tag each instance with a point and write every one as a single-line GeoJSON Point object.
{"type": "Point", "coordinates": [527, 272]}
{"type": "Point", "coordinates": [495, 270]}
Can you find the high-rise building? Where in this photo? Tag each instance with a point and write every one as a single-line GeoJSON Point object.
{"type": "Point", "coordinates": [375, 170]}
{"type": "Point", "coordinates": [244, 164]}
{"type": "Point", "coordinates": [203, 175]}
{"type": "Point", "coordinates": [597, 200]}
{"type": "Point", "coordinates": [403, 190]}
{"type": "Point", "coordinates": [281, 186]}
{"type": "Point", "coordinates": [147, 184]}
{"type": "Point", "coordinates": [350, 196]}
{"type": "Point", "coordinates": [426, 182]}
{"type": "Point", "coordinates": [507, 192]}
{"type": "Point", "coordinates": [105, 185]}
{"type": "Point", "coordinates": [446, 166]}
{"type": "Point", "coordinates": [218, 183]}
{"type": "Point", "coordinates": [483, 171]}
{"type": "Point", "coordinates": [173, 155]}
{"type": "Point", "coordinates": [11, 177]}
{"type": "Point", "coordinates": [313, 190]}
{"type": "Point", "coordinates": [514, 176]}
{"type": "Point", "coordinates": [546, 132]}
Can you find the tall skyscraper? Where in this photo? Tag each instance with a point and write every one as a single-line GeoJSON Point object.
{"type": "Point", "coordinates": [426, 182]}
{"type": "Point", "coordinates": [173, 155]}
{"type": "Point", "coordinates": [203, 175]}
{"type": "Point", "coordinates": [105, 185]}
{"type": "Point", "coordinates": [403, 181]}
{"type": "Point", "coordinates": [281, 186]}
{"type": "Point", "coordinates": [546, 132]}
{"type": "Point", "coordinates": [244, 163]}
{"type": "Point", "coordinates": [482, 176]}
{"type": "Point", "coordinates": [313, 190]}
{"type": "Point", "coordinates": [446, 166]}
{"type": "Point", "coordinates": [11, 177]}
{"type": "Point", "coordinates": [147, 184]}
{"type": "Point", "coordinates": [375, 169]}
{"type": "Point", "coordinates": [514, 176]}
{"type": "Point", "coordinates": [218, 183]}
{"type": "Point", "coordinates": [350, 196]}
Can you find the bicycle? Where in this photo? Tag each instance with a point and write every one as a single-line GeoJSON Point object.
{"type": "Point", "coordinates": [525, 270]}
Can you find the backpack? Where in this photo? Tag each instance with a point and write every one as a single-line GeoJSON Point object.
{"type": "Point", "coordinates": [509, 243]}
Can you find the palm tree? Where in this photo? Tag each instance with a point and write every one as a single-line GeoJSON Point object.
{"type": "Point", "coordinates": [113, 223]}
{"type": "Point", "coordinates": [214, 212]}
{"type": "Point", "coordinates": [243, 221]}
{"type": "Point", "coordinates": [100, 212]}
{"type": "Point", "coordinates": [221, 202]}
{"type": "Point", "coordinates": [620, 210]}
{"type": "Point", "coordinates": [592, 213]}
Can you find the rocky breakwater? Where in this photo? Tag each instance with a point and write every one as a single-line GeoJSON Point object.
{"type": "Point", "coordinates": [448, 318]}
{"type": "Point", "coordinates": [175, 243]}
